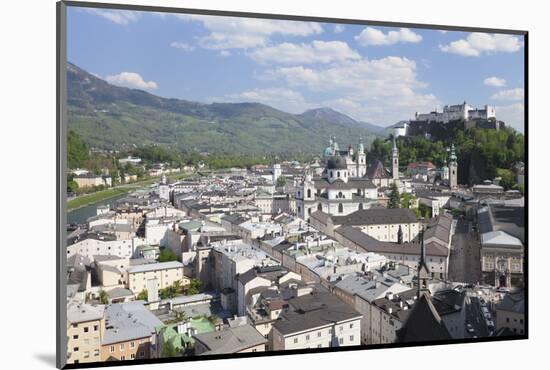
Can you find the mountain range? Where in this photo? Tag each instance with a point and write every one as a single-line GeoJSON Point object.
{"type": "Point", "coordinates": [113, 117]}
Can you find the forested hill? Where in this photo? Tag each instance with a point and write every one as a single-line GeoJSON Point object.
{"type": "Point", "coordinates": [111, 117]}
{"type": "Point", "coordinates": [482, 153]}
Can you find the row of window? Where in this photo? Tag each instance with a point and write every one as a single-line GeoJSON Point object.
{"type": "Point", "coordinates": [122, 347]}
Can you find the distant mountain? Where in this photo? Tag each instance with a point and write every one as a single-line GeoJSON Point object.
{"type": "Point", "coordinates": [330, 115]}
{"type": "Point", "coordinates": [113, 117]}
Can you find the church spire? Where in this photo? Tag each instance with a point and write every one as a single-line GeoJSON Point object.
{"type": "Point", "coordinates": [423, 274]}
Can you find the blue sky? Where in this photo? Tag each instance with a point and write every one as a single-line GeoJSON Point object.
{"type": "Point", "coordinates": [375, 74]}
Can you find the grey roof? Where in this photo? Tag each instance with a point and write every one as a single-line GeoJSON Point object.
{"type": "Point", "coordinates": [119, 293]}
{"type": "Point", "coordinates": [369, 244]}
{"type": "Point", "coordinates": [127, 321]}
{"type": "Point", "coordinates": [230, 340]}
{"type": "Point", "coordinates": [400, 304]}
{"type": "Point", "coordinates": [313, 311]}
{"type": "Point", "coordinates": [82, 312]}
{"type": "Point", "coordinates": [377, 217]}
{"type": "Point", "coordinates": [155, 266]}
{"type": "Point", "coordinates": [353, 183]}
{"type": "Point", "coordinates": [448, 301]}
{"type": "Point", "coordinates": [423, 323]}
{"type": "Point", "coordinates": [440, 228]}
{"type": "Point", "coordinates": [368, 289]}
{"type": "Point", "coordinates": [513, 302]}
{"type": "Point", "coordinates": [377, 171]}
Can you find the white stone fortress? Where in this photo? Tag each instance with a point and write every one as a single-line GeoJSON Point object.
{"type": "Point", "coordinates": [462, 111]}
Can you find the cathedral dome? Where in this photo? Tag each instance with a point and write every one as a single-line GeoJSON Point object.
{"type": "Point", "coordinates": [337, 163]}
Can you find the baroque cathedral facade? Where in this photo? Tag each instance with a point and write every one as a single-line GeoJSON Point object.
{"type": "Point", "coordinates": [346, 183]}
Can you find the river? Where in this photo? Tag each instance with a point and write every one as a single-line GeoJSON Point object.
{"type": "Point", "coordinates": [80, 215]}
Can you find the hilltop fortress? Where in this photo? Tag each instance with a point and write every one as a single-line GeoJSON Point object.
{"type": "Point", "coordinates": [463, 114]}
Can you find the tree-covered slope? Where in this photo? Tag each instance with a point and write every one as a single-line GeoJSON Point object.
{"type": "Point", "coordinates": [112, 117]}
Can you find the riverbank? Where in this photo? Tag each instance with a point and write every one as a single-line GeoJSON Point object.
{"type": "Point", "coordinates": [99, 196]}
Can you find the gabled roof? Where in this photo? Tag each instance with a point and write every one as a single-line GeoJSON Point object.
{"type": "Point", "coordinates": [377, 171]}
{"type": "Point", "coordinates": [423, 323]}
{"type": "Point", "coordinates": [377, 217]}
{"type": "Point", "coordinates": [230, 340]}
{"type": "Point", "coordinates": [500, 238]}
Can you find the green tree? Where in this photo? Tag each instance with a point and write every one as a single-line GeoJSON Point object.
{"type": "Point", "coordinates": [169, 350]}
{"type": "Point", "coordinates": [143, 295]}
{"type": "Point", "coordinates": [195, 287]}
{"type": "Point", "coordinates": [167, 255]}
{"type": "Point", "coordinates": [395, 198]}
{"type": "Point", "coordinates": [77, 150]}
{"type": "Point", "coordinates": [407, 200]}
{"type": "Point", "coordinates": [103, 297]}
{"type": "Point", "coordinates": [281, 181]}
{"type": "Point", "coordinates": [508, 179]}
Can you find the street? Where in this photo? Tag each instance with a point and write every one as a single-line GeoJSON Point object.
{"type": "Point", "coordinates": [474, 316]}
{"type": "Point", "coordinates": [464, 261]}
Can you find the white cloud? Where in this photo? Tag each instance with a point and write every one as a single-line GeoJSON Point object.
{"type": "Point", "coordinates": [224, 53]}
{"type": "Point", "coordinates": [246, 33]}
{"type": "Point", "coordinates": [315, 52]}
{"type": "Point", "coordinates": [494, 81]}
{"type": "Point", "coordinates": [477, 44]}
{"type": "Point", "coordinates": [512, 115]}
{"type": "Point", "coordinates": [338, 28]}
{"type": "Point", "coordinates": [373, 36]}
{"type": "Point", "coordinates": [381, 91]}
{"type": "Point", "coordinates": [182, 45]}
{"type": "Point", "coordinates": [121, 17]}
{"type": "Point", "coordinates": [281, 98]}
{"type": "Point", "coordinates": [131, 80]}
{"type": "Point", "coordinates": [512, 94]}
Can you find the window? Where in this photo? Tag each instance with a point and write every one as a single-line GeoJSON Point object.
{"type": "Point", "coordinates": [309, 193]}
{"type": "Point", "coordinates": [141, 354]}
{"type": "Point", "coordinates": [319, 345]}
{"type": "Point", "coordinates": [338, 173]}
{"type": "Point", "coordinates": [122, 347]}
{"type": "Point", "coordinates": [307, 337]}
{"type": "Point", "coordinates": [132, 356]}
{"type": "Point", "coordinates": [75, 349]}
{"type": "Point", "coordinates": [295, 340]}
{"type": "Point", "coordinates": [132, 345]}
{"type": "Point", "coordinates": [341, 328]}
{"type": "Point", "coordinates": [351, 326]}
{"type": "Point", "coordinates": [341, 340]}
{"type": "Point", "coordinates": [360, 206]}
{"type": "Point", "coordinates": [254, 350]}
{"type": "Point", "coordinates": [340, 208]}
{"type": "Point", "coordinates": [85, 329]}
{"type": "Point", "coordinates": [87, 354]}
{"type": "Point", "coordinates": [112, 349]}
{"type": "Point", "coordinates": [351, 338]}
{"type": "Point", "coordinates": [122, 358]}
{"type": "Point", "coordinates": [96, 353]}
{"type": "Point", "coordinates": [75, 336]}
{"type": "Point", "coordinates": [318, 334]}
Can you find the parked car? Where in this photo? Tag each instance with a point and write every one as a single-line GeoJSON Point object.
{"type": "Point", "coordinates": [469, 328]}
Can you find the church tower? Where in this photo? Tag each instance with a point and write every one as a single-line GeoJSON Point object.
{"type": "Point", "coordinates": [395, 161]}
{"type": "Point", "coordinates": [453, 169]}
{"type": "Point", "coordinates": [361, 159]}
